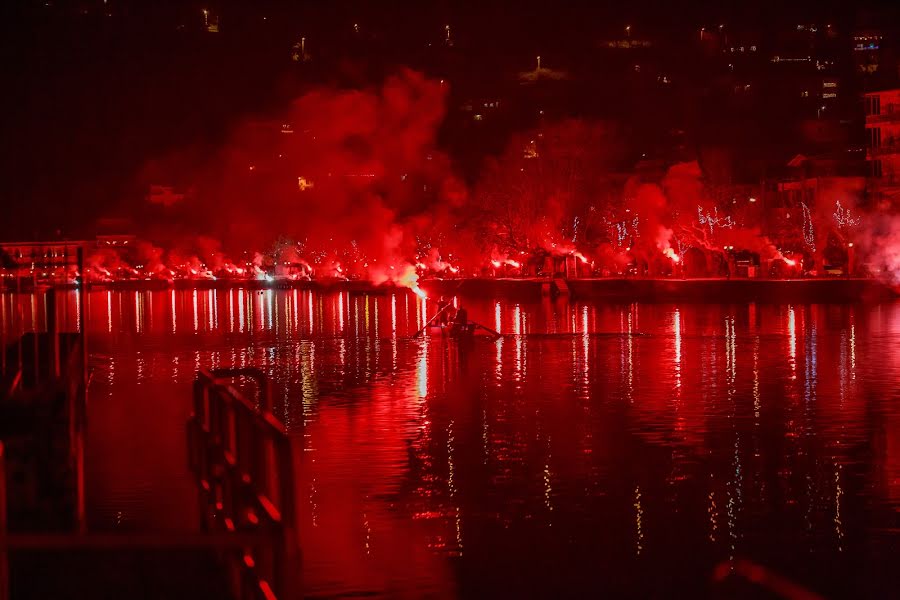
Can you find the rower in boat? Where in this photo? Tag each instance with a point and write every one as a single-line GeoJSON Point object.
{"type": "Point", "coordinates": [461, 326]}
{"type": "Point", "coordinates": [444, 311]}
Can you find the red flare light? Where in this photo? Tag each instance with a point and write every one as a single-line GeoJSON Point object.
{"type": "Point", "coordinates": [669, 252]}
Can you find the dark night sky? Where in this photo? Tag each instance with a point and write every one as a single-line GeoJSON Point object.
{"type": "Point", "coordinates": [89, 98]}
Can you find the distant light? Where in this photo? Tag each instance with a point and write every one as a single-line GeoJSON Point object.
{"type": "Point", "coordinates": [850, 245]}
{"type": "Point", "coordinates": [752, 199]}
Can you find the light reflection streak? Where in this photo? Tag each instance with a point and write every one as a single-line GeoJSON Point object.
{"type": "Point", "coordinates": [676, 329]}
{"type": "Point", "coordinates": [376, 334]}
{"type": "Point", "coordinates": [811, 363]}
{"type": "Point", "coordinates": [498, 363]}
{"type": "Point", "coordinates": [368, 346]}
{"type": "Point", "coordinates": [194, 302]}
{"type": "Point", "coordinates": [78, 293]}
{"type": "Point", "coordinates": [585, 343]}
{"type": "Point", "coordinates": [638, 521]}
{"type": "Point", "coordinates": [393, 332]}
{"type": "Point", "coordinates": [548, 487]}
{"type": "Point", "coordinates": [310, 317]}
{"type": "Point", "coordinates": [368, 530]}
{"type": "Point", "coordinates": [422, 370]}
{"type": "Point", "coordinates": [518, 370]}
{"type": "Point", "coordinates": [138, 321]}
{"type": "Point", "coordinates": [732, 534]}
{"type": "Point", "coordinates": [419, 315]}
{"type": "Point", "coordinates": [174, 316]}
{"type": "Point", "coordinates": [485, 437]}
{"type": "Point", "coordinates": [307, 376]}
{"type": "Point", "coordinates": [792, 340]}
{"type": "Point", "coordinates": [756, 398]}
{"type": "Point", "coordinates": [210, 308]}
{"type": "Point", "coordinates": [109, 311]}
{"type": "Point", "coordinates": [451, 486]}
{"type": "Point", "coordinates": [242, 299]}
{"type": "Point", "coordinates": [843, 379]}
{"type": "Point", "coordinates": [730, 355]}
{"type": "Point", "coordinates": [394, 316]}
{"type": "Point", "coordinates": [838, 495]}
{"type": "Point", "coordinates": [629, 366]}
{"type": "Point", "coordinates": [231, 310]}
{"type": "Point", "coordinates": [340, 312]}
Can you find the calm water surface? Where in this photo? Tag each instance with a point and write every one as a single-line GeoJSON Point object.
{"type": "Point", "coordinates": [594, 450]}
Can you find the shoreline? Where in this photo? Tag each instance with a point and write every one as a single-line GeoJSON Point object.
{"type": "Point", "coordinates": [611, 289]}
{"type": "Point", "coordinates": [826, 290]}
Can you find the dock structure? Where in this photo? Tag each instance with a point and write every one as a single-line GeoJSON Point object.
{"type": "Point", "coordinates": [245, 543]}
{"type": "Point", "coordinates": [245, 546]}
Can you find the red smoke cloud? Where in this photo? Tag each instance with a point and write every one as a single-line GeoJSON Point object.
{"type": "Point", "coordinates": [351, 183]}
{"type": "Point", "coordinates": [349, 180]}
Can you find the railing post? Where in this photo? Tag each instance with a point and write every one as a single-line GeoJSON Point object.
{"type": "Point", "coordinates": [249, 464]}
{"type": "Point", "coordinates": [289, 581]}
{"type": "Point", "coordinates": [4, 529]}
{"type": "Point", "coordinates": [52, 328]}
{"type": "Point", "coordinates": [82, 312]}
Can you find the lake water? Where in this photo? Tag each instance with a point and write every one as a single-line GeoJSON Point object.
{"type": "Point", "coordinates": [593, 450]}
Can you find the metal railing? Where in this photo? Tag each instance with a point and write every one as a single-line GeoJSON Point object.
{"type": "Point", "coordinates": [242, 458]}
{"type": "Point", "coordinates": [891, 147]}
{"type": "Point", "coordinates": [886, 113]}
{"type": "Point", "coordinates": [243, 461]}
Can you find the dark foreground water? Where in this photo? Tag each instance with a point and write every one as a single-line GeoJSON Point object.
{"type": "Point", "coordinates": [595, 450]}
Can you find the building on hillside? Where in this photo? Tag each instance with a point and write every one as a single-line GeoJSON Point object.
{"type": "Point", "coordinates": [883, 146]}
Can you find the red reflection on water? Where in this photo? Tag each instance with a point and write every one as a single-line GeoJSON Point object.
{"type": "Point", "coordinates": [691, 432]}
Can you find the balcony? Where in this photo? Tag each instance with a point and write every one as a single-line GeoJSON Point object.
{"type": "Point", "coordinates": [889, 113]}
{"type": "Point", "coordinates": [892, 147]}
{"type": "Point", "coordinates": [887, 182]}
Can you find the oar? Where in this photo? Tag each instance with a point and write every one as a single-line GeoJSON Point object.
{"type": "Point", "coordinates": [431, 320]}
{"type": "Point", "coordinates": [488, 329]}
{"type": "Point", "coordinates": [438, 313]}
